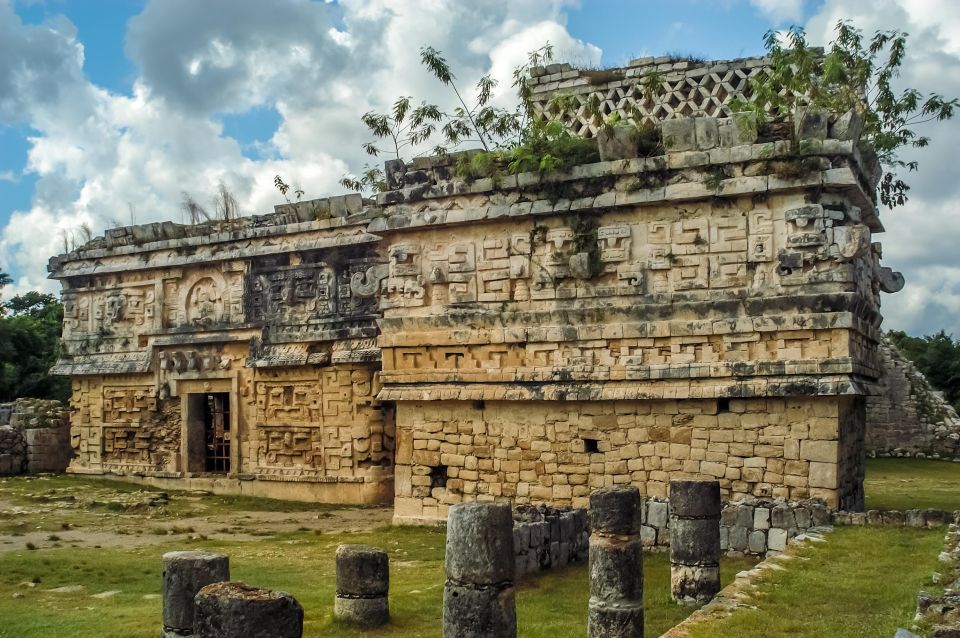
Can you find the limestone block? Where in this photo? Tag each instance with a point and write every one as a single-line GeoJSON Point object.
{"type": "Point", "coordinates": [236, 609]}
{"type": "Point", "coordinates": [810, 124]}
{"type": "Point", "coordinates": [777, 539]}
{"type": "Point", "coordinates": [738, 130]}
{"type": "Point", "coordinates": [708, 133]}
{"type": "Point", "coordinates": [679, 134]}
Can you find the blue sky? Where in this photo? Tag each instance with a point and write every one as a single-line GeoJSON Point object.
{"type": "Point", "coordinates": [173, 96]}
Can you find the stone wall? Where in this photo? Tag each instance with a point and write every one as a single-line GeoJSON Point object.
{"type": "Point", "coordinates": [557, 452]}
{"type": "Point", "coordinates": [274, 316]}
{"type": "Point", "coordinates": [13, 451]}
{"type": "Point", "coordinates": [548, 318]}
{"type": "Point", "coordinates": [34, 436]}
{"type": "Point", "coordinates": [907, 416]}
{"type": "Point", "coordinates": [549, 538]}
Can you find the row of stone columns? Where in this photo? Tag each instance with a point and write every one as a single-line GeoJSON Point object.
{"type": "Point", "coordinates": [479, 594]}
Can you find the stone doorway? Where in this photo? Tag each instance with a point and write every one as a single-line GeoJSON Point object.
{"type": "Point", "coordinates": [209, 432]}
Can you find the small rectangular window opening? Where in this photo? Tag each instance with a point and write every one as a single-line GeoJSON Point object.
{"type": "Point", "coordinates": [591, 446]}
{"type": "Point", "coordinates": [723, 405]}
{"type": "Point", "coordinates": [438, 476]}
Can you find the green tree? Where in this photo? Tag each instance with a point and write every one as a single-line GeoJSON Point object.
{"type": "Point", "coordinates": [854, 73]}
{"type": "Point", "coordinates": [29, 346]}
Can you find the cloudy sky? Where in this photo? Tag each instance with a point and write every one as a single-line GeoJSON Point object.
{"type": "Point", "coordinates": [111, 109]}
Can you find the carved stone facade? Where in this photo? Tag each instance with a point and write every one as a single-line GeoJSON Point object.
{"type": "Point", "coordinates": [709, 312]}
{"type": "Point", "coordinates": [239, 356]}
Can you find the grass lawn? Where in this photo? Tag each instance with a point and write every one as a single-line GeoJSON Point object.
{"type": "Point", "coordinates": [302, 564]}
{"type": "Point", "coordinates": [861, 583]}
{"type": "Point", "coordinates": [901, 484]}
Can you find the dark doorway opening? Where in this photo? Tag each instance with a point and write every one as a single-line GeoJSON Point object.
{"type": "Point", "coordinates": [216, 430]}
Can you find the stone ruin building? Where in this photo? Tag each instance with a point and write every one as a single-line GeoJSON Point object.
{"type": "Point", "coordinates": [709, 311]}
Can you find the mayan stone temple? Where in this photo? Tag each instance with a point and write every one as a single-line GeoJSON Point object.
{"type": "Point", "coordinates": [710, 310]}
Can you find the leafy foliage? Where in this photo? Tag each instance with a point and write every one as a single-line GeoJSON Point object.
{"type": "Point", "coordinates": [938, 358]}
{"type": "Point", "coordinates": [853, 73]}
{"type": "Point", "coordinates": [29, 346]}
{"type": "Point", "coordinates": [405, 127]}
{"type": "Point", "coordinates": [547, 146]}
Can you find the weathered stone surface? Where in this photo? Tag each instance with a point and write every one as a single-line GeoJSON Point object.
{"type": "Point", "coordinates": [479, 612]}
{"type": "Point", "coordinates": [695, 540]}
{"type": "Point", "coordinates": [615, 510]}
{"type": "Point", "coordinates": [617, 142]}
{"type": "Point", "coordinates": [234, 609]}
{"type": "Point", "coordinates": [679, 135]}
{"type": "Point", "coordinates": [480, 544]}
{"type": "Point", "coordinates": [478, 597]}
{"type": "Point", "coordinates": [694, 583]}
{"type": "Point", "coordinates": [363, 612]}
{"type": "Point", "coordinates": [362, 571]}
{"type": "Point", "coordinates": [907, 416]}
{"type": "Point", "coordinates": [363, 585]}
{"type": "Point", "coordinates": [695, 498]}
{"type": "Point", "coordinates": [616, 564]}
{"type": "Point", "coordinates": [184, 574]}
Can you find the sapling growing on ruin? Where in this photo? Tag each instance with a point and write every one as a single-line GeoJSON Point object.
{"type": "Point", "coordinates": [853, 74]}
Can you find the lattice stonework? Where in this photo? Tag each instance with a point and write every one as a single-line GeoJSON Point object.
{"type": "Point", "coordinates": [683, 89]}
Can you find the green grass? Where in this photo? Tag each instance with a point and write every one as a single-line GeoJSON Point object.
{"type": "Point", "coordinates": [901, 484]}
{"type": "Point", "coordinates": [861, 583]}
{"type": "Point", "coordinates": [550, 606]}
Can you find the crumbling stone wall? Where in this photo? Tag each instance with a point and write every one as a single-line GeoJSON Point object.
{"type": "Point", "coordinates": [34, 436]}
{"type": "Point", "coordinates": [906, 416]}
{"type": "Point", "coordinates": [13, 451]}
{"type": "Point", "coordinates": [534, 323]}
{"type": "Point", "coordinates": [275, 312]}
{"type": "Point", "coordinates": [549, 538]}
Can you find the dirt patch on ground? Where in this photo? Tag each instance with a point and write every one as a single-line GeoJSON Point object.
{"type": "Point", "coordinates": [41, 515]}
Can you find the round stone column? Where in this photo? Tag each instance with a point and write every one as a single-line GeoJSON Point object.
{"type": "Point", "coordinates": [232, 610]}
{"type": "Point", "coordinates": [694, 540]}
{"type": "Point", "coordinates": [478, 597]}
{"type": "Point", "coordinates": [616, 564]}
{"type": "Point", "coordinates": [185, 574]}
{"type": "Point", "coordinates": [363, 582]}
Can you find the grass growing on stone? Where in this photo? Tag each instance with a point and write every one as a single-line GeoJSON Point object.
{"type": "Point", "coordinates": [861, 583]}
{"type": "Point", "coordinates": [901, 484]}
{"type": "Point", "coordinates": [302, 564]}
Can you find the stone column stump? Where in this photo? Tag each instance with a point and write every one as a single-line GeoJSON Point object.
{"type": "Point", "coordinates": [363, 582]}
{"type": "Point", "coordinates": [694, 540]}
{"type": "Point", "coordinates": [237, 610]}
{"type": "Point", "coordinates": [616, 564]}
{"type": "Point", "coordinates": [478, 597]}
{"type": "Point", "coordinates": [184, 574]}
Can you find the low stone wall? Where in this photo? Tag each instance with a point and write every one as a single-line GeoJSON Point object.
{"type": "Point", "coordinates": [759, 526]}
{"type": "Point", "coordinates": [548, 538]}
{"type": "Point", "coordinates": [907, 416]}
{"type": "Point", "coordinates": [755, 526]}
{"type": "Point", "coordinates": [13, 451]}
{"type": "Point", "coordinates": [941, 614]}
{"type": "Point", "coordinates": [34, 436]}
{"type": "Point", "coordinates": [895, 518]}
